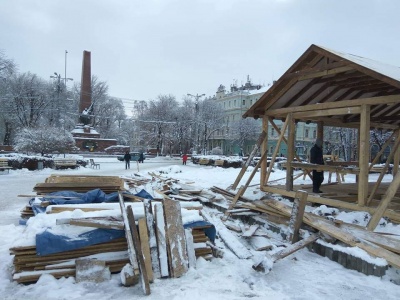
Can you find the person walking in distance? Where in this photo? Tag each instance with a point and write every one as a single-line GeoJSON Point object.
{"type": "Point", "coordinates": [316, 157]}
{"type": "Point", "coordinates": [184, 159]}
{"type": "Point", "coordinates": [127, 159]}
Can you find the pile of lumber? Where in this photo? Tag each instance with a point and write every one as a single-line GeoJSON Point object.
{"type": "Point", "coordinates": [80, 184]}
{"type": "Point", "coordinates": [377, 245]}
{"type": "Point", "coordinates": [154, 237]}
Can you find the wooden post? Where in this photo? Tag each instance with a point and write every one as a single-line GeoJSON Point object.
{"type": "Point", "coordinates": [364, 158]}
{"type": "Point", "coordinates": [384, 170]}
{"type": "Point", "coordinates": [390, 192]}
{"type": "Point", "coordinates": [260, 140]}
{"type": "Point", "coordinates": [296, 217]}
{"type": "Point", "coordinates": [290, 156]}
{"type": "Point", "coordinates": [396, 159]}
{"type": "Point", "coordinates": [320, 130]}
{"type": "Point", "coordinates": [264, 148]}
{"type": "Point", "coordinates": [275, 153]}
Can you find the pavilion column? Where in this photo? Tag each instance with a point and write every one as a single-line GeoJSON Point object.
{"type": "Point", "coordinates": [320, 130]}
{"type": "Point", "coordinates": [290, 151]}
{"type": "Point", "coordinates": [264, 147]}
{"type": "Point", "coordinates": [396, 159]}
{"type": "Point", "coordinates": [364, 134]}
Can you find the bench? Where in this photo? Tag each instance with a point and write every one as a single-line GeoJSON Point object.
{"type": "Point", "coordinates": [93, 165]}
{"type": "Point", "coordinates": [4, 165]}
{"type": "Point", "coordinates": [63, 163]}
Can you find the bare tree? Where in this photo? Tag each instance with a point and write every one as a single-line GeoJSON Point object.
{"type": "Point", "coordinates": [244, 130]}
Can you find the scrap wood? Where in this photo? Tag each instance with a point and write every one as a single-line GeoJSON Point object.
{"type": "Point", "coordinates": [175, 235]}
{"type": "Point", "coordinates": [33, 276]}
{"type": "Point", "coordinates": [190, 248]}
{"type": "Point", "coordinates": [97, 222]}
{"type": "Point", "coordinates": [161, 239]}
{"type": "Point", "coordinates": [296, 217]}
{"type": "Point", "coordinates": [248, 232]}
{"type": "Point", "coordinates": [149, 217]}
{"type": "Point", "coordinates": [138, 250]}
{"type": "Point", "coordinates": [331, 229]}
{"type": "Point", "coordinates": [267, 261]}
{"type": "Point", "coordinates": [228, 238]}
{"type": "Point", "coordinates": [260, 243]}
{"type": "Point", "coordinates": [128, 234]}
{"type": "Point", "coordinates": [144, 244]}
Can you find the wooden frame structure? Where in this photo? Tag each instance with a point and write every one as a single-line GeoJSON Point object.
{"type": "Point", "coordinates": [341, 90]}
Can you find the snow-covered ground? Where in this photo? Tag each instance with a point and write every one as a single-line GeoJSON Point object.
{"type": "Point", "coordinates": [303, 275]}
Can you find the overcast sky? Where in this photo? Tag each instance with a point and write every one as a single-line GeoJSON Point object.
{"type": "Point", "coordinates": [146, 48]}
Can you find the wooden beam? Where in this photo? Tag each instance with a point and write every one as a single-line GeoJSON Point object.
{"type": "Point", "coordinates": [396, 160]}
{"type": "Point", "coordinates": [364, 158]}
{"type": "Point", "coordinates": [264, 148]}
{"type": "Point", "coordinates": [344, 103]}
{"type": "Point", "coordinates": [331, 202]}
{"type": "Point", "coordinates": [315, 70]}
{"type": "Point", "coordinates": [296, 218]}
{"type": "Point", "coordinates": [276, 150]}
{"type": "Point", "coordinates": [325, 73]}
{"type": "Point", "coordinates": [389, 194]}
{"type": "Point", "coordinates": [290, 156]}
{"type": "Point", "coordinates": [260, 140]}
{"type": "Point", "coordinates": [328, 112]}
{"type": "Point", "coordinates": [384, 169]}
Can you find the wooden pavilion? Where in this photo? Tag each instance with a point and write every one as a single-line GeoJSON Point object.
{"type": "Point", "coordinates": [341, 90]}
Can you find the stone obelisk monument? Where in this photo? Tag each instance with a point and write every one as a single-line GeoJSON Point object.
{"type": "Point", "coordinates": [85, 108]}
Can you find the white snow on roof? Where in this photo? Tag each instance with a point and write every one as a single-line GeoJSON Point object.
{"type": "Point", "coordinates": [382, 68]}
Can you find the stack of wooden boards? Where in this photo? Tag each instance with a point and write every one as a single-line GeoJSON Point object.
{"type": "Point", "coordinates": [157, 238]}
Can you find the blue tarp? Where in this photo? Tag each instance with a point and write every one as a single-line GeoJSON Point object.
{"type": "Point", "coordinates": [93, 196]}
{"type": "Point", "coordinates": [48, 243]}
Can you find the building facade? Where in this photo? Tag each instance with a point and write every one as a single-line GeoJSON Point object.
{"type": "Point", "coordinates": [234, 104]}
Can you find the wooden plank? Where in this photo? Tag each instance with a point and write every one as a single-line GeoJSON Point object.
{"type": "Point", "coordinates": [264, 148]}
{"type": "Point", "coordinates": [175, 235]}
{"type": "Point", "coordinates": [380, 210]}
{"type": "Point", "coordinates": [253, 153]}
{"type": "Point", "coordinates": [396, 160]}
{"type": "Point", "coordinates": [93, 222]}
{"type": "Point", "coordinates": [294, 247]}
{"type": "Point", "coordinates": [331, 229]}
{"type": "Point", "coordinates": [138, 249]}
{"type": "Point", "coordinates": [190, 248]}
{"type": "Point", "coordinates": [296, 217]}
{"type": "Point", "coordinates": [250, 231]}
{"type": "Point", "coordinates": [144, 243]}
{"type": "Point", "coordinates": [128, 235]}
{"type": "Point", "coordinates": [161, 241]}
{"type": "Point", "coordinates": [228, 238]}
{"type": "Point", "coordinates": [328, 112]}
{"type": "Point", "coordinates": [260, 243]}
{"type": "Point", "coordinates": [148, 212]}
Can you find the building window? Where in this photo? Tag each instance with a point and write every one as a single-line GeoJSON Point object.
{"type": "Point", "coordinates": [224, 104]}
{"type": "Point", "coordinates": [251, 102]}
{"type": "Point", "coordinates": [229, 103]}
{"type": "Point", "coordinates": [244, 102]}
{"type": "Point", "coordinates": [234, 103]}
{"type": "Point", "coordinates": [272, 132]}
{"type": "Point", "coordinates": [314, 134]}
{"type": "Point", "coordinates": [306, 133]}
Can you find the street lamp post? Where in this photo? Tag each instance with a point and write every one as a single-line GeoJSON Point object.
{"type": "Point", "coordinates": [58, 78]}
{"type": "Point", "coordinates": [197, 127]}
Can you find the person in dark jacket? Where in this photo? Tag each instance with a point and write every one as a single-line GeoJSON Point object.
{"type": "Point", "coordinates": [141, 157]}
{"type": "Point", "coordinates": [316, 157]}
{"type": "Point", "coordinates": [127, 159]}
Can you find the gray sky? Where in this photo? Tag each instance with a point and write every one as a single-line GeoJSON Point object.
{"type": "Point", "coordinates": [152, 47]}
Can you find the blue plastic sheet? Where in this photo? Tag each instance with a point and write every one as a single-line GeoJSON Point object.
{"type": "Point", "coordinates": [48, 243]}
